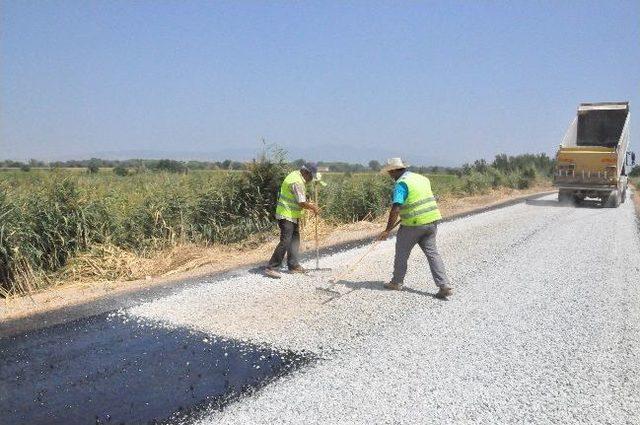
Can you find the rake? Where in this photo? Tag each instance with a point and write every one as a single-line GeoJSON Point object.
{"type": "Point", "coordinates": [317, 240]}
{"type": "Point", "coordinates": [340, 276]}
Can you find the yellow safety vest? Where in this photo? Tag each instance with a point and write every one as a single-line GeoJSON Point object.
{"type": "Point", "coordinates": [420, 207]}
{"type": "Point", "coordinates": [287, 202]}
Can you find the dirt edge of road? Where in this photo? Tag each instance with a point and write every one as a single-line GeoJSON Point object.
{"type": "Point", "coordinates": [636, 202]}
{"type": "Point", "coordinates": [61, 304]}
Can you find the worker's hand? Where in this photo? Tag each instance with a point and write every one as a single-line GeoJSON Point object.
{"type": "Point", "coordinates": [310, 206]}
{"type": "Point", "coordinates": [384, 235]}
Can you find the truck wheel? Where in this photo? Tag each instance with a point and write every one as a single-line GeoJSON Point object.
{"type": "Point", "coordinates": [623, 197]}
{"type": "Point", "coordinates": [577, 199]}
{"type": "Point", "coordinates": [613, 200]}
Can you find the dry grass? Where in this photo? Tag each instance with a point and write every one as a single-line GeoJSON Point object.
{"type": "Point", "coordinates": [108, 263]}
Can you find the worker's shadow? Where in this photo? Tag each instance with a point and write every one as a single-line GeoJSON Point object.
{"type": "Point", "coordinates": [376, 285]}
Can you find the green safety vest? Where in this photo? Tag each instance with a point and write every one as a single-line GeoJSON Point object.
{"type": "Point", "coordinates": [287, 202]}
{"type": "Point", "coordinates": [420, 207]}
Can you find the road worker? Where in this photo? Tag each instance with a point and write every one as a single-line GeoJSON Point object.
{"type": "Point", "coordinates": [416, 206]}
{"type": "Point", "coordinates": [291, 201]}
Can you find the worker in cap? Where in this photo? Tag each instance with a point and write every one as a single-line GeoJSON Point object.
{"type": "Point", "coordinates": [291, 201]}
{"type": "Point", "coordinates": [414, 203]}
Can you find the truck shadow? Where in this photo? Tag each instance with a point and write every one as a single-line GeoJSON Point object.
{"type": "Point", "coordinates": [587, 203]}
{"type": "Point", "coordinates": [114, 369]}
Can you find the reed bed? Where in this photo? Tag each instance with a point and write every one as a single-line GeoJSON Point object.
{"type": "Point", "coordinates": [68, 223]}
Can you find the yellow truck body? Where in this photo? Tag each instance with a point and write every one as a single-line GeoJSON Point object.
{"type": "Point", "coordinates": [593, 158]}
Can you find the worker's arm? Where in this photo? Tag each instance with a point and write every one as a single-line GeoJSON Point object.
{"type": "Point", "coordinates": [301, 197]}
{"type": "Point", "coordinates": [398, 198]}
{"type": "Point", "coordinates": [309, 206]}
{"type": "Point", "coordinates": [392, 222]}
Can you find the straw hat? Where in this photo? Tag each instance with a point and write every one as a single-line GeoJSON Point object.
{"type": "Point", "coordinates": [394, 164]}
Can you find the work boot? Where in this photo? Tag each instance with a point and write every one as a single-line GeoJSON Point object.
{"type": "Point", "coordinates": [272, 273]}
{"type": "Point", "coordinates": [393, 286]}
{"type": "Point", "coordinates": [297, 269]}
{"type": "Point", "coordinates": [444, 292]}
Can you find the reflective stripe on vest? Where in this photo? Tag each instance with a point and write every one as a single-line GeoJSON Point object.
{"type": "Point", "coordinates": [420, 207]}
{"type": "Point", "coordinates": [287, 203]}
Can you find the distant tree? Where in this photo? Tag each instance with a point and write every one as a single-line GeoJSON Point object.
{"type": "Point", "coordinates": [343, 167]}
{"type": "Point", "coordinates": [34, 163]}
{"type": "Point", "coordinates": [374, 165]}
{"type": "Point", "coordinates": [171, 166]}
{"type": "Point", "coordinates": [197, 165]}
{"type": "Point", "coordinates": [120, 171]}
{"type": "Point", "coordinates": [25, 167]}
{"type": "Point", "coordinates": [94, 165]}
{"type": "Point", "coordinates": [226, 164]}
{"type": "Point", "coordinates": [635, 171]}
{"type": "Point", "coordinates": [509, 164]}
{"type": "Point", "coordinates": [11, 164]}
{"type": "Point", "coordinates": [138, 165]}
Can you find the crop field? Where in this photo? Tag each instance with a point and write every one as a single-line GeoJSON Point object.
{"type": "Point", "coordinates": [48, 216]}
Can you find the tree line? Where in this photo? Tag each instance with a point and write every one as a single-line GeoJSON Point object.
{"type": "Point", "coordinates": [540, 163]}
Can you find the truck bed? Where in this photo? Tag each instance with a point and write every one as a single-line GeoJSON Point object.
{"type": "Point", "coordinates": [601, 127]}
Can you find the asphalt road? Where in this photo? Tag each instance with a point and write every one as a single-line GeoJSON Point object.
{"type": "Point", "coordinates": [544, 327]}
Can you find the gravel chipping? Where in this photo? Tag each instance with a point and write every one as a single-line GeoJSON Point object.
{"type": "Point", "coordinates": [543, 327]}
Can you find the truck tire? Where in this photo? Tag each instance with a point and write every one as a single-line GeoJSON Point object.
{"type": "Point", "coordinates": [623, 197]}
{"type": "Point", "coordinates": [613, 200]}
{"type": "Point", "coordinates": [577, 199]}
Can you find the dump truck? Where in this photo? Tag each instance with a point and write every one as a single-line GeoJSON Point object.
{"type": "Point", "coordinates": [593, 158]}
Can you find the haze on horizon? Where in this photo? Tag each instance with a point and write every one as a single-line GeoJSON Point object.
{"type": "Point", "coordinates": [438, 83]}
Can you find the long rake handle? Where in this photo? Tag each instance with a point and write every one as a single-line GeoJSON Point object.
{"type": "Point", "coordinates": [353, 266]}
{"type": "Point", "coordinates": [315, 200]}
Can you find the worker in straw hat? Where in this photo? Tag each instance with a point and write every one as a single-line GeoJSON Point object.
{"type": "Point", "coordinates": [291, 201]}
{"type": "Point", "coordinates": [416, 206]}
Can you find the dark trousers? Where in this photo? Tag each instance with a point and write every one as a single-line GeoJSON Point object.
{"type": "Point", "coordinates": [289, 244]}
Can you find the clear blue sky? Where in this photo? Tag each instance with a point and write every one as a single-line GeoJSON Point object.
{"type": "Point", "coordinates": [435, 82]}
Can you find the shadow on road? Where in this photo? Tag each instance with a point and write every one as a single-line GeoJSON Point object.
{"type": "Point", "coordinates": [116, 370]}
{"type": "Point", "coordinates": [554, 203]}
{"type": "Point", "coordinates": [377, 285]}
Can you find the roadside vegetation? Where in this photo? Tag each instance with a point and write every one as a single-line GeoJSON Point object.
{"type": "Point", "coordinates": [48, 217]}
{"type": "Point", "coordinates": [634, 176]}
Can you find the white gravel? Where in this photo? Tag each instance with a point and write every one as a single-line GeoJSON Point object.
{"type": "Point", "coordinates": [544, 327]}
